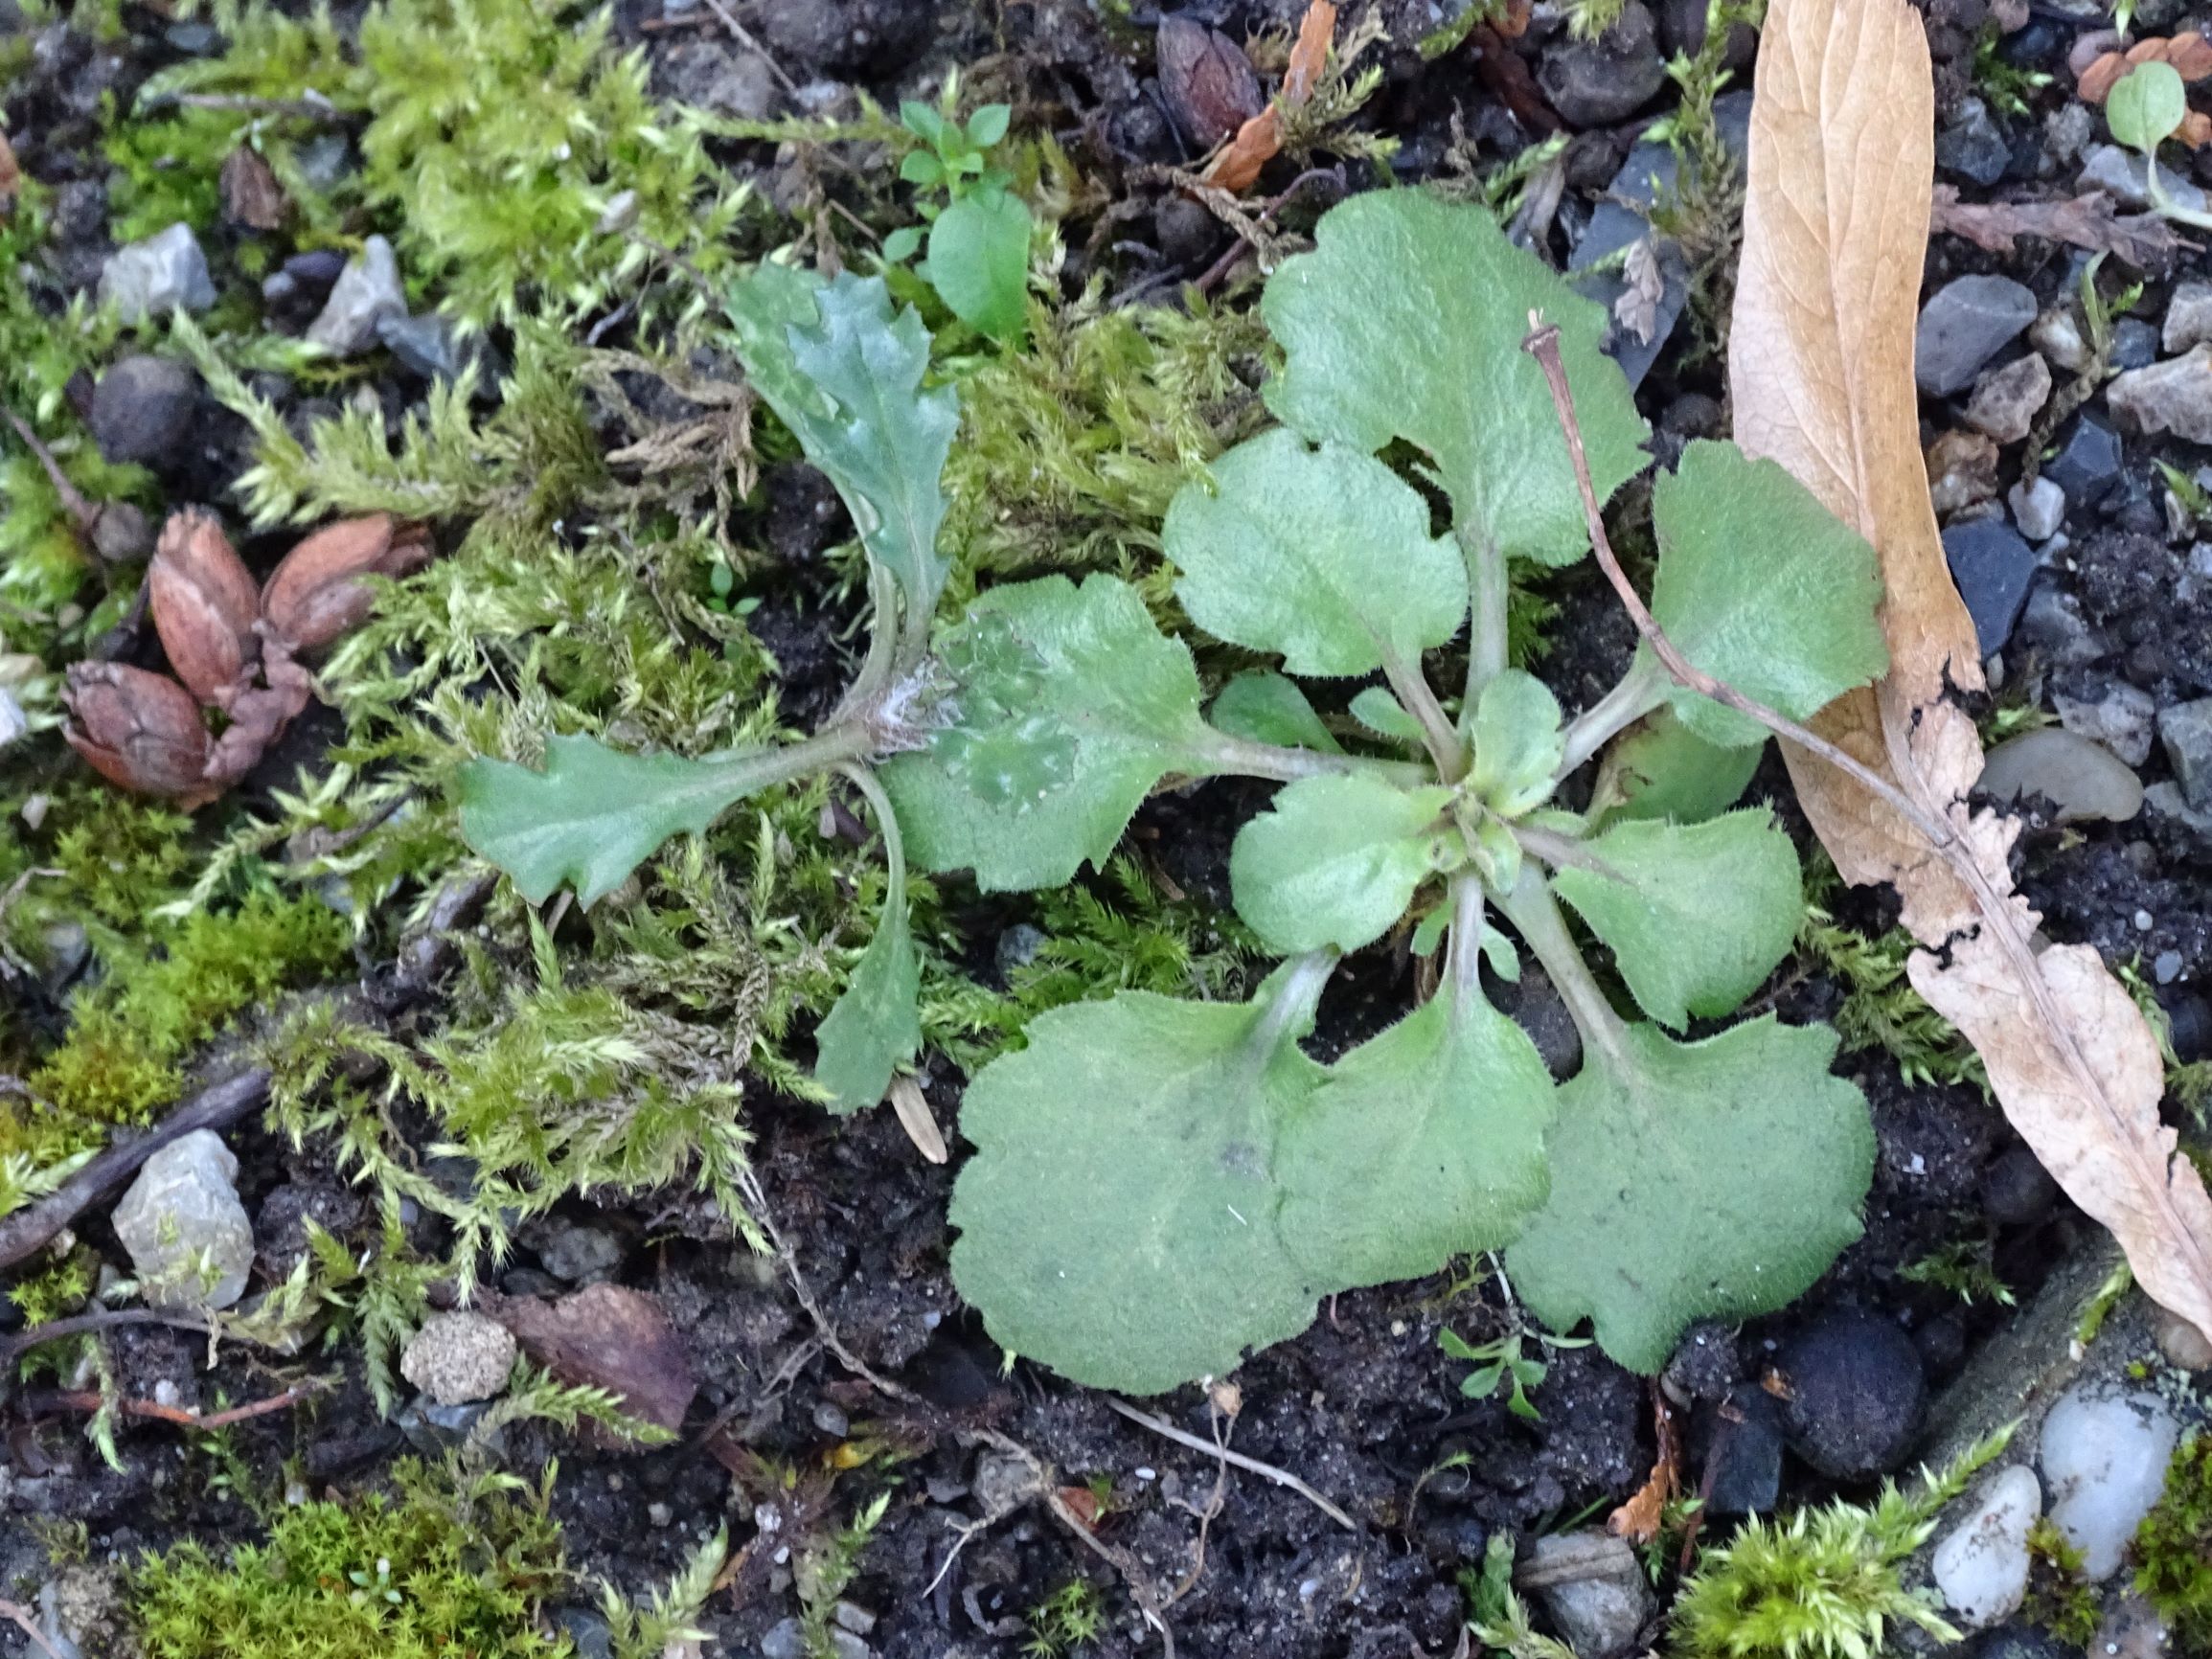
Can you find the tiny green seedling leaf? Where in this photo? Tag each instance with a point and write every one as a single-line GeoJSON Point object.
{"type": "Point", "coordinates": [1336, 860]}
{"type": "Point", "coordinates": [594, 813]}
{"type": "Point", "coordinates": [846, 378]}
{"type": "Point", "coordinates": [1715, 1180]}
{"type": "Point", "coordinates": [1518, 744]}
{"type": "Point", "coordinates": [1407, 322]}
{"type": "Point", "coordinates": [1269, 709]}
{"type": "Point", "coordinates": [876, 1026]}
{"type": "Point", "coordinates": [1096, 686]}
{"type": "Point", "coordinates": [2146, 106]}
{"type": "Point", "coordinates": [1323, 556]}
{"type": "Point", "coordinates": [1763, 588]}
{"type": "Point", "coordinates": [1698, 915]}
{"type": "Point", "coordinates": [1426, 1143]}
{"type": "Point", "coordinates": [1383, 715]}
{"type": "Point", "coordinates": [978, 261]}
{"type": "Point", "coordinates": [1117, 1221]}
{"type": "Point", "coordinates": [1659, 768]}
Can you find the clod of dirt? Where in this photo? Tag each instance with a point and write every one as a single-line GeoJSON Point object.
{"type": "Point", "coordinates": [2017, 1191]}
{"type": "Point", "coordinates": [609, 1337]}
{"type": "Point", "coordinates": [460, 1357]}
{"type": "Point", "coordinates": [1855, 1395]}
{"type": "Point", "coordinates": [142, 410]}
{"type": "Point", "coordinates": [1598, 83]}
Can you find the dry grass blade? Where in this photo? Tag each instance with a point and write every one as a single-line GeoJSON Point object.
{"type": "Point", "coordinates": [1834, 230]}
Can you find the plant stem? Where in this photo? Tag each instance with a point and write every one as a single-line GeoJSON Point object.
{"type": "Point", "coordinates": [1249, 758]}
{"type": "Point", "coordinates": [1291, 1004]}
{"type": "Point", "coordinates": [1487, 591]}
{"type": "Point", "coordinates": [2167, 207]}
{"type": "Point", "coordinates": [863, 779]}
{"type": "Point", "coordinates": [1641, 690]}
{"type": "Point", "coordinates": [886, 644]}
{"type": "Point", "coordinates": [1463, 955]}
{"type": "Point", "coordinates": [1535, 914]}
{"type": "Point", "coordinates": [1413, 691]}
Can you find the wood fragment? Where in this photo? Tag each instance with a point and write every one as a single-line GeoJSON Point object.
{"type": "Point", "coordinates": [2087, 221]}
{"type": "Point", "coordinates": [1256, 143]}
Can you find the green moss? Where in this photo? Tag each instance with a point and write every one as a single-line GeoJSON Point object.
{"type": "Point", "coordinates": [1823, 1585]}
{"type": "Point", "coordinates": [425, 1571]}
{"type": "Point", "coordinates": [2060, 1597]}
{"type": "Point", "coordinates": [2174, 1547]}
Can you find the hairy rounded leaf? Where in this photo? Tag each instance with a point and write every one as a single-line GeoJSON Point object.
{"type": "Point", "coordinates": [1763, 588]}
{"type": "Point", "coordinates": [1271, 709]}
{"type": "Point", "coordinates": [1659, 768]}
{"type": "Point", "coordinates": [1697, 915]}
{"type": "Point", "coordinates": [978, 261]}
{"type": "Point", "coordinates": [1405, 321]}
{"type": "Point", "coordinates": [1336, 860]}
{"type": "Point", "coordinates": [1518, 744]}
{"type": "Point", "coordinates": [1709, 1180]}
{"type": "Point", "coordinates": [1426, 1143]}
{"type": "Point", "coordinates": [1322, 555]}
{"type": "Point", "coordinates": [1078, 682]}
{"type": "Point", "coordinates": [1117, 1221]}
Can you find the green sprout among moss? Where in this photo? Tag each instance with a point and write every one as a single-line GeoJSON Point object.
{"type": "Point", "coordinates": [2060, 1597]}
{"type": "Point", "coordinates": [2173, 1548]}
{"type": "Point", "coordinates": [1823, 1585]}
{"type": "Point", "coordinates": [1061, 1624]}
{"type": "Point", "coordinates": [977, 229]}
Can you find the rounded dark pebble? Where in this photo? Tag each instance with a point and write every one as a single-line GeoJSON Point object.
{"type": "Point", "coordinates": [1184, 230]}
{"type": "Point", "coordinates": [142, 410]}
{"type": "Point", "coordinates": [1856, 1393]}
{"type": "Point", "coordinates": [2017, 1191]}
{"type": "Point", "coordinates": [1941, 1341]}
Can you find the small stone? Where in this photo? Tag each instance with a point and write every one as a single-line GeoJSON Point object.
{"type": "Point", "coordinates": [460, 1357]}
{"type": "Point", "coordinates": [2083, 780]}
{"type": "Point", "coordinates": [1599, 82]}
{"type": "Point", "coordinates": [2038, 508]}
{"type": "Point", "coordinates": [182, 1223]}
{"type": "Point", "coordinates": [2068, 130]}
{"type": "Point", "coordinates": [2174, 397]}
{"type": "Point", "coordinates": [831, 1418]}
{"type": "Point", "coordinates": [1016, 947]}
{"type": "Point", "coordinates": [367, 291]}
{"type": "Point", "coordinates": [1962, 472]}
{"type": "Point", "coordinates": [852, 1616]}
{"type": "Point", "coordinates": [2104, 1454]}
{"type": "Point", "coordinates": [590, 1633]}
{"type": "Point", "coordinates": [2182, 1345]}
{"type": "Point", "coordinates": [424, 345]}
{"type": "Point", "coordinates": [2123, 719]}
{"type": "Point", "coordinates": [2135, 343]}
{"type": "Point", "coordinates": [2185, 733]}
{"type": "Point", "coordinates": [2166, 966]}
{"type": "Point", "coordinates": [2165, 800]}
{"type": "Point", "coordinates": [709, 74]}
{"type": "Point", "coordinates": [2053, 628]}
{"type": "Point", "coordinates": [1743, 1469]}
{"type": "Point", "coordinates": [787, 1640]}
{"type": "Point", "coordinates": [1967, 323]}
{"type": "Point", "coordinates": [2188, 317]}
{"type": "Point", "coordinates": [2122, 175]}
{"type": "Point", "coordinates": [2133, 1630]}
{"type": "Point", "coordinates": [162, 273]}
{"type": "Point", "coordinates": [1593, 1585]}
{"type": "Point", "coordinates": [2087, 463]}
{"type": "Point", "coordinates": [2007, 400]}
{"type": "Point", "coordinates": [574, 1253]}
{"type": "Point", "coordinates": [2056, 334]}
{"type": "Point", "coordinates": [659, 1515]}
{"type": "Point", "coordinates": [1974, 145]}
{"type": "Point", "coordinates": [1993, 567]}
{"type": "Point", "coordinates": [144, 410]}
{"type": "Point", "coordinates": [1981, 1566]}
{"type": "Point", "coordinates": [2017, 1191]}
{"type": "Point", "coordinates": [1856, 1393]}
{"type": "Point", "coordinates": [1185, 232]}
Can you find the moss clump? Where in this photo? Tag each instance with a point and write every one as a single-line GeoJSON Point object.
{"type": "Point", "coordinates": [424, 1572]}
{"type": "Point", "coordinates": [2060, 1597]}
{"type": "Point", "coordinates": [1825, 1583]}
{"type": "Point", "coordinates": [2173, 1546]}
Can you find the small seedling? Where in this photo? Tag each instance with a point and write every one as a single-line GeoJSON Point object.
{"type": "Point", "coordinates": [978, 229]}
{"type": "Point", "coordinates": [2145, 108]}
{"type": "Point", "coordinates": [1502, 1363]}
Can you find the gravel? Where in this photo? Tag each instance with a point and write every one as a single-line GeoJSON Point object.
{"type": "Point", "coordinates": [1967, 322]}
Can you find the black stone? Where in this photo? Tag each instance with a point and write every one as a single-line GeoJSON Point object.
{"type": "Point", "coordinates": [1598, 83]}
{"type": "Point", "coordinates": [1975, 146]}
{"type": "Point", "coordinates": [2192, 1022]}
{"type": "Point", "coordinates": [144, 410]}
{"type": "Point", "coordinates": [1743, 1467]}
{"type": "Point", "coordinates": [1856, 1394]}
{"type": "Point", "coordinates": [2087, 463]}
{"type": "Point", "coordinates": [2134, 343]}
{"type": "Point", "coordinates": [1993, 567]}
{"type": "Point", "coordinates": [2017, 1191]}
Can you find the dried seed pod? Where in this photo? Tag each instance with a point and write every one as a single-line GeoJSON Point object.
{"type": "Point", "coordinates": [252, 195]}
{"type": "Point", "coordinates": [204, 605]}
{"type": "Point", "coordinates": [317, 594]}
{"type": "Point", "coordinates": [137, 729]}
{"type": "Point", "coordinates": [1206, 80]}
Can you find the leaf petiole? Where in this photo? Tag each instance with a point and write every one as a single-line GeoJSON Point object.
{"type": "Point", "coordinates": [1640, 691]}
{"type": "Point", "coordinates": [1535, 914]}
{"type": "Point", "coordinates": [1284, 763]}
{"type": "Point", "coordinates": [1487, 594]}
{"type": "Point", "coordinates": [1437, 731]}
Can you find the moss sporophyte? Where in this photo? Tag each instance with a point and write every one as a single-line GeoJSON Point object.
{"type": "Point", "coordinates": [1160, 1184]}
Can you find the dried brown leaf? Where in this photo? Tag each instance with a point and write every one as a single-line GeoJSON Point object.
{"type": "Point", "coordinates": [612, 1338]}
{"type": "Point", "coordinates": [1834, 230]}
{"type": "Point", "coordinates": [1638, 1520]}
{"type": "Point", "coordinates": [252, 194]}
{"type": "Point", "coordinates": [1205, 80]}
{"type": "Point", "coordinates": [2145, 240]}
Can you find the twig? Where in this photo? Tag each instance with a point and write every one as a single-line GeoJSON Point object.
{"type": "Point", "coordinates": [308, 108]}
{"type": "Point", "coordinates": [20, 1617]}
{"type": "Point", "coordinates": [90, 1400]}
{"type": "Point", "coordinates": [72, 497]}
{"type": "Point", "coordinates": [1251, 1466]}
{"type": "Point", "coordinates": [78, 1324]}
{"type": "Point", "coordinates": [29, 1230]}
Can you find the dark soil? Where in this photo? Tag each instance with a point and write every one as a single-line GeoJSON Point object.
{"type": "Point", "coordinates": [1364, 1406]}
